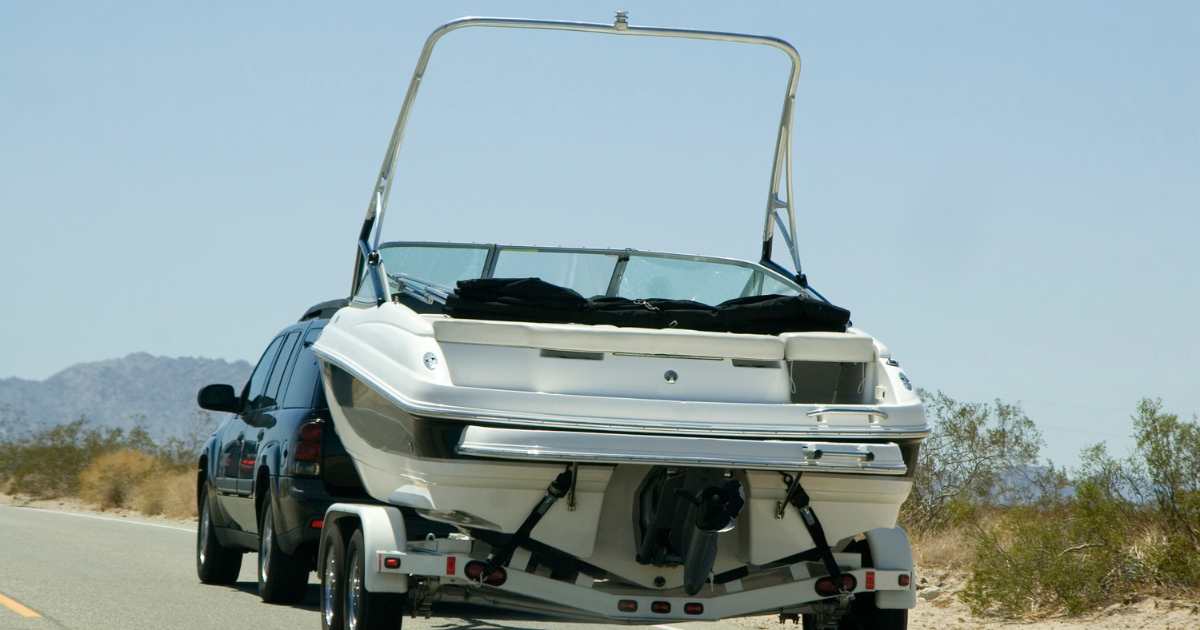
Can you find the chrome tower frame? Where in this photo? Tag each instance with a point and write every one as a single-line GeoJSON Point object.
{"type": "Point", "coordinates": [781, 168]}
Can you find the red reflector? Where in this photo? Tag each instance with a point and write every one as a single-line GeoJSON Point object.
{"type": "Point", "coordinates": [661, 608]}
{"type": "Point", "coordinates": [391, 563]}
{"type": "Point", "coordinates": [904, 579]}
{"type": "Point", "coordinates": [627, 605]}
{"type": "Point", "coordinates": [451, 564]}
{"type": "Point", "coordinates": [316, 523]}
{"type": "Point", "coordinates": [870, 586]}
{"type": "Point", "coordinates": [826, 587]}
{"type": "Point", "coordinates": [475, 571]}
{"type": "Point", "coordinates": [693, 608]}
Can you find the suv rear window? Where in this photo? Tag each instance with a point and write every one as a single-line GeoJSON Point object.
{"type": "Point", "coordinates": [305, 376]}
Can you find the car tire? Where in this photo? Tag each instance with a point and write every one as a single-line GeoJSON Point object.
{"type": "Point", "coordinates": [864, 615]}
{"type": "Point", "coordinates": [282, 577]}
{"type": "Point", "coordinates": [365, 610]}
{"type": "Point", "coordinates": [215, 564]}
{"type": "Point", "coordinates": [330, 566]}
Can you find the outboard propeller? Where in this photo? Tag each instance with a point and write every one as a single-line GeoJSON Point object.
{"type": "Point", "coordinates": [717, 511]}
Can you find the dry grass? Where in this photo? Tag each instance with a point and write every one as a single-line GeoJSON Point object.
{"type": "Point", "coordinates": [134, 480]}
{"type": "Point", "coordinates": [169, 494]}
{"type": "Point", "coordinates": [109, 480]}
{"type": "Point", "coordinates": [950, 548]}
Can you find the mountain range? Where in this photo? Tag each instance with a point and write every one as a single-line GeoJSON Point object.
{"type": "Point", "coordinates": [158, 393]}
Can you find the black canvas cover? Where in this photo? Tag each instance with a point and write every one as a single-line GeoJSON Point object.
{"type": "Point", "coordinates": [534, 300]}
{"type": "Point", "coordinates": [515, 299]}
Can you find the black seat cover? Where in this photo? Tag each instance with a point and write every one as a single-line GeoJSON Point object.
{"type": "Point", "coordinates": [535, 300]}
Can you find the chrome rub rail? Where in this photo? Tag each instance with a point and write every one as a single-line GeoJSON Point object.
{"type": "Point", "coordinates": [704, 452]}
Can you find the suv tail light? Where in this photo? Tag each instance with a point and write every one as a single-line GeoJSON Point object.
{"type": "Point", "coordinates": [306, 458]}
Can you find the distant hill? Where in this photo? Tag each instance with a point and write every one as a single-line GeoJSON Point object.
{"type": "Point", "coordinates": [157, 392]}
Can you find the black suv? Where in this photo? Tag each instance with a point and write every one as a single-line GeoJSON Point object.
{"type": "Point", "coordinates": [269, 472]}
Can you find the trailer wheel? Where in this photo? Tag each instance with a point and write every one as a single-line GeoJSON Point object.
{"type": "Point", "coordinates": [214, 564]}
{"type": "Point", "coordinates": [333, 577]}
{"type": "Point", "coordinates": [365, 610]}
{"type": "Point", "coordinates": [864, 615]}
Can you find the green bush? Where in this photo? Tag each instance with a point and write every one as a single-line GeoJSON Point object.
{"type": "Point", "coordinates": [1027, 564]}
{"type": "Point", "coordinates": [1131, 526]}
{"type": "Point", "coordinates": [964, 461]}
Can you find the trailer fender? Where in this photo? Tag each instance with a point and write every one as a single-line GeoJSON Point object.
{"type": "Point", "coordinates": [890, 550]}
{"type": "Point", "coordinates": [383, 531]}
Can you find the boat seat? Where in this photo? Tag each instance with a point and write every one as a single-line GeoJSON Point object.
{"type": "Point", "coordinates": [847, 347]}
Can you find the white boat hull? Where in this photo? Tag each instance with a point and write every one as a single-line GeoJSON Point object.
{"type": "Point", "coordinates": [482, 458]}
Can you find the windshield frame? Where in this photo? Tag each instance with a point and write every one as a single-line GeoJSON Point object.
{"type": "Point", "coordinates": [622, 259]}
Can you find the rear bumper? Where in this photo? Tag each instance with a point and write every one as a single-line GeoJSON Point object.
{"type": "Point", "coordinates": [794, 587]}
{"type": "Point", "coordinates": [303, 501]}
{"type": "Point", "coordinates": [300, 502]}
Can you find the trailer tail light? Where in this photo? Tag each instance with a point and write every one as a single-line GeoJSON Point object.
{"type": "Point", "coordinates": [316, 523]}
{"type": "Point", "coordinates": [828, 587]}
{"type": "Point", "coordinates": [306, 457]}
{"type": "Point", "coordinates": [477, 571]}
{"type": "Point", "coordinates": [661, 608]}
{"type": "Point", "coordinates": [451, 564]}
{"type": "Point", "coordinates": [391, 563]}
{"type": "Point", "coordinates": [904, 579]}
{"type": "Point", "coordinates": [627, 605]}
{"type": "Point", "coordinates": [870, 581]}
{"type": "Point", "coordinates": [693, 608]}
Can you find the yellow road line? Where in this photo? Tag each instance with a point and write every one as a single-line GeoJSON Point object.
{"type": "Point", "coordinates": [18, 607]}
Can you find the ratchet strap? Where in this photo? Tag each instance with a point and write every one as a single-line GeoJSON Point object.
{"type": "Point", "coordinates": [557, 490]}
{"type": "Point", "coordinates": [799, 498]}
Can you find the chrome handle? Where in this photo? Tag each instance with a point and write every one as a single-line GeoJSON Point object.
{"type": "Point", "coordinates": [847, 411]}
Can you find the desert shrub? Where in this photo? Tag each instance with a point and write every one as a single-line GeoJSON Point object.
{"type": "Point", "coordinates": [1169, 453]}
{"type": "Point", "coordinates": [110, 479]}
{"type": "Point", "coordinates": [965, 461]}
{"type": "Point", "coordinates": [172, 493]}
{"type": "Point", "coordinates": [47, 463]}
{"type": "Point", "coordinates": [1029, 563]}
{"type": "Point", "coordinates": [1130, 526]}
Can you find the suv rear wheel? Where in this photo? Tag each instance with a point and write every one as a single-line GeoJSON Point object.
{"type": "Point", "coordinates": [282, 577]}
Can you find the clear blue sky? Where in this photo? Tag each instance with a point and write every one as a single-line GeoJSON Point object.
{"type": "Point", "coordinates": [1005, 192]}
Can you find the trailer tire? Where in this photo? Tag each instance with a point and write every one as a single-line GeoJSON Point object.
{"type": "Point", "coordinates": [214, 564]}
{"type": "Point", "coordinates": [333, 577]}
{"type": "Point", "coordinates": [863, 615]}
{"type": "Point", "coordinates": [365, 610]}
{"type": "Point", "coordinates": [282, 577]}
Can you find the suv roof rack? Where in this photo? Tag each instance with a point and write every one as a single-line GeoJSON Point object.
{"type": "Point", "coordinates": [323, 310]}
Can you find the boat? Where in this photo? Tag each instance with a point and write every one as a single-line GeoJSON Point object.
{"type": "Point", "coordinates": [647, 425]}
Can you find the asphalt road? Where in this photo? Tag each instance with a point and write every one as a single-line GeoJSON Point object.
{"type": "Point", "coordinates": [84, 571]}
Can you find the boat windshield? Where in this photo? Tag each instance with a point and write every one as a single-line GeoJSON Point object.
{"type": "Point", "coordinates": [436, 267]}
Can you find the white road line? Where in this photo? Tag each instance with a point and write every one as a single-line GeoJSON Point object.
{"type": "Point", "coordinates": [668, 628]}
{"type": "Point", "coordinates": [109, 518]}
